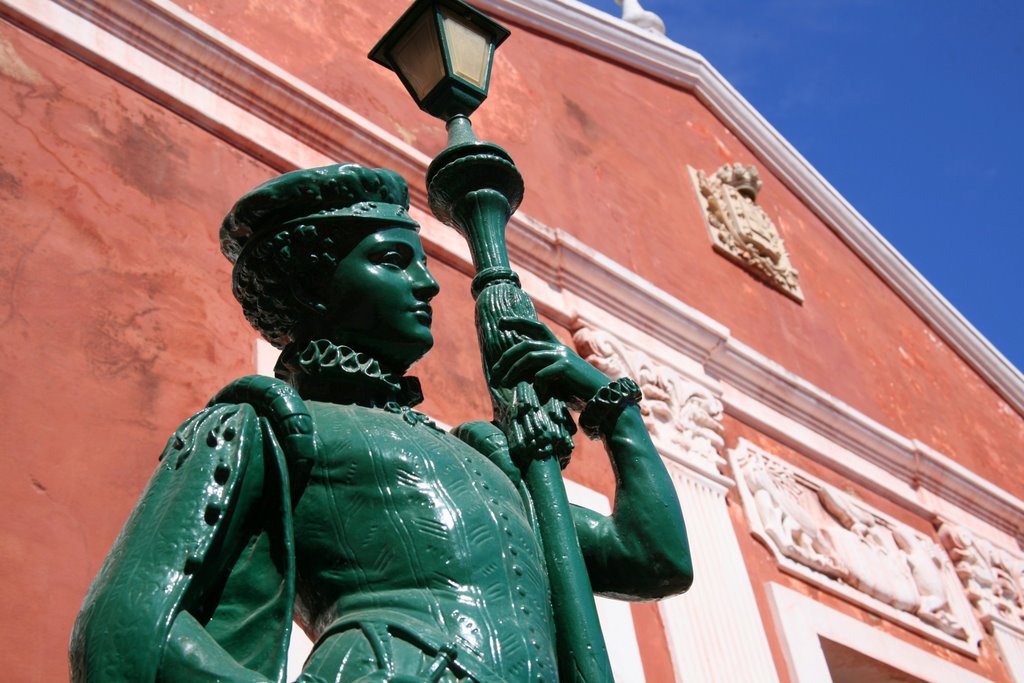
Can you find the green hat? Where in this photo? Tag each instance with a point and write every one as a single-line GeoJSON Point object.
{"type": "Point", "coordinates": [330, 194]}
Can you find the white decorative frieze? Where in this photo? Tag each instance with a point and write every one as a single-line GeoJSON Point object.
{"type": "Point", "coordinates": [992, 576]}
{"type": "Point", "coordinates": [831, 539]}
{"type": "Point", "coordinates": [714, 630]}
{"type": "Point", "coordinates": [684, 418]}
{"type": "Point", "coordinates": [740, 230]}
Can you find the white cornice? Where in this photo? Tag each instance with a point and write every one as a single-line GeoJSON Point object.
{"type": "Point", "coordinates": [173, 58]}
{"type": "Point", "coordinates": [605, 35]}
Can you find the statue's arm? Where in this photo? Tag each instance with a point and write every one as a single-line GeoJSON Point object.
{"type": "Point", "coordinates": [641, 550]}
{"type": "Point", "coordinates": [191, 653]}
{"type": "Point", "coordinates": [223, 485]}
{"type": "Point", "coordinates": [249, 604]}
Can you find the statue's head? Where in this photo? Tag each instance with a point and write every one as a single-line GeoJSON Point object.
{"type": "Point", "coordinates": [332, 253]}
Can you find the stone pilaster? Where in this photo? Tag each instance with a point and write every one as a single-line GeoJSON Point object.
{"type": "Point", "coordinates": [1011, 646]}
{"type": "Point", "coordinates": [715, 630]}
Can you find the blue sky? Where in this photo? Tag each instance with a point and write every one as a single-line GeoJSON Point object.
{"type": "Point", "coordinates": [912, 109]}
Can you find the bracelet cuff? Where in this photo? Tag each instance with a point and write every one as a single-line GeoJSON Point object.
{"type": "Point", "coordinates": [604, 408]}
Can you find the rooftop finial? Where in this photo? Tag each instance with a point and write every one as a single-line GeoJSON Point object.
{"type": "Point", "coordinates": [638, 16]}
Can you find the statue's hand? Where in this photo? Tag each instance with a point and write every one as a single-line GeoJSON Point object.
{"type": "Point", "coordinates": [540, 359]}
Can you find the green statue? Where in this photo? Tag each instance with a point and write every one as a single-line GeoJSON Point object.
{"type": "Point", "coordinates": [405, 552]}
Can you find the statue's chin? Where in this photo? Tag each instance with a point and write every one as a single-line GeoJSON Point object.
{"type": "Point", "coordinates": [401, 365]}
{"type": "Point", "coordinates": [395, 356]}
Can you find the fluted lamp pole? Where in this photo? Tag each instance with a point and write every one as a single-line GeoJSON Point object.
{"type": "Point", "coordinates": [442, 50]}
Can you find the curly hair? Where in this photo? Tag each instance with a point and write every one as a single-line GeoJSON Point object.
{"type": "Point", "coordinates": [303, 257]}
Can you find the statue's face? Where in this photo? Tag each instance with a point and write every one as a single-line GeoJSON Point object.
{"type": "Point", "coordinates": [379, 299]}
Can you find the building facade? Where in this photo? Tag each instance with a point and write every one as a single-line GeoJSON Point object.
{"type": "Point", "coordinates": [845, 446]}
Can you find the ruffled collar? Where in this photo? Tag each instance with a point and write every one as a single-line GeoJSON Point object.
{"type": "Point", "coordinates": [324, 371]}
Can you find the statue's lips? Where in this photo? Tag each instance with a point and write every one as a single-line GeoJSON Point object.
{"type": "Point", "coordinates": [423, 313]}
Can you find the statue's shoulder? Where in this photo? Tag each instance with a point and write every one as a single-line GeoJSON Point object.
{"type": "Point", "coordinates": [280, 405]}
{"type": "Point", "coordinates": [267, 395]}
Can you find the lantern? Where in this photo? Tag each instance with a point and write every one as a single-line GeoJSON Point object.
{"type": "Point", "coordinates": [442, 51]}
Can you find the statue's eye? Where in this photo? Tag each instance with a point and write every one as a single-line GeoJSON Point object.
{"type": "Point", "coordinates": [392, 258]}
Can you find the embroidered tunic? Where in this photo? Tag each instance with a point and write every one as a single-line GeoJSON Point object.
{"type": "Point", "coordinates": [408, 538]}
{"type": "Point", "coordinates": [402, 524]}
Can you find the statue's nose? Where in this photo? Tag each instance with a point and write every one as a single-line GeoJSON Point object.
{"type": "Point", "coordinates": [426, 287]}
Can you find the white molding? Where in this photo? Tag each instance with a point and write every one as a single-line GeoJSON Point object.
{"type": "Point", "coordinates": [299, 649]}
{"type": "Point", "coordinates": [578, 24]}
{"type": "Point", "coordinates": [803, 622]}
{"type": "Point", "coordinates": [1011, 646]}
{"type": "Point", "coordinates": [684, 417]}
{"type": "Point", "coordinates": [915, 466]}
{"type": "Point", "coordinates": [992, 576]}
{"type": "Point", "coordinates": [170, 56]}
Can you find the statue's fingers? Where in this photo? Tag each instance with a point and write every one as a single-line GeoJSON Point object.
{"type": "Point", "coordinates": [519, 369]}
{"type": "Point", "coordinates": [533, 329]}
{"type": "Point", "coordinates": [546, 381]}
{"type": "Point", "coordinates": [525, 368]}
{"type": "Point", "coordinates": [512, 354]}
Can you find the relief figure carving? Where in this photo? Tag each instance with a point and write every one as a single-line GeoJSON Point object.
{"type": "Point", "coordinates": [992, 576]}
{"type": "Point", "coordinates": [846, 542]}
{"type": "Point", "coordinates": [784, 510]}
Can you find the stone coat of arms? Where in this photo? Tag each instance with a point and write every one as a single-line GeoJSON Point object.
{"type": "Point", "coordinates": [740, 230]}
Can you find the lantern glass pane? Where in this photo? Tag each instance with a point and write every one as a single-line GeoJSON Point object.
{"type": "Point", "coordinates": [468, 48]}
{"type": "Point", "coordinates": [417, 56]}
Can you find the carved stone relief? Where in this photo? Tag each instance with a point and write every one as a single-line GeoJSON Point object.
{"type": "Point", "coordinates": [835, 541]}
{"type": "Point", "coordinates": [684, 418]}
{"type": "Point", "coordinates": [993, 577]}
{"type": "Point", "coordinates": [740, 230]}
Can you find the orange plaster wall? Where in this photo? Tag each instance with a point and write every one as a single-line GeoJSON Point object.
{"type": "Point", "coordinates": [116, 321]}
{"type": "Point", "coordinates": [763, 569]}
{"type": "Point", "coordinates": [604, 152]}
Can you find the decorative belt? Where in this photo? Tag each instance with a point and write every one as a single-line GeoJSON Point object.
{"type": "Point", "coordinates": [379, 626]}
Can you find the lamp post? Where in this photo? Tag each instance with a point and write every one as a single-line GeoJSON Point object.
{"type": "Point", "coordinates": [442, 50]}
